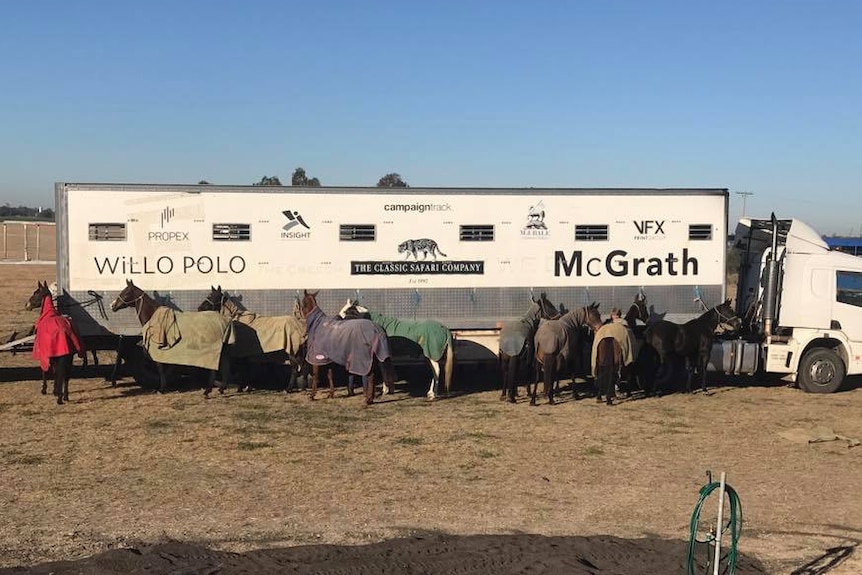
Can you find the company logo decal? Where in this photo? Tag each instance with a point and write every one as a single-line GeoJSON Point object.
{"type": "Point", "coordinates": [294, 220]}
{"type": "Point", "coordinates": [167, 236]}
{"type": "Point", "coordinates": [535, 226]}
{"type": "Point", "coordinates": [424, 266]}
{"type": "Point", "coordinates": [165, 216]}
{"type": "Point", "coordinates": [649, 229]}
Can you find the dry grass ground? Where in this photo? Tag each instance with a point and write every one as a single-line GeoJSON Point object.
{"type": "Point", "coordinates": [118, 466]}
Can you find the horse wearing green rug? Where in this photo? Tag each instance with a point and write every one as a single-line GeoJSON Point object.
{"type": "Point", "coordinates": [434, 338]}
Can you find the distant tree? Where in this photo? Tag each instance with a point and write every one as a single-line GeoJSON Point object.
{"type": "Point", "coordinates": [203, 183]}
{"type": "Point", "coordinates": [392, 180]}
{"type": "Point", "coordinates": [300, 178]}
{"type": "Point", "coordinates": [268, 181]}
{"type": "Point", "coordinates": [47, 214]}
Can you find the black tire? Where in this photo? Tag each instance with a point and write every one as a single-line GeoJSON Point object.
{"type": "Point", "coordinates": [143, 368]}
{"type": "Point", "coordinates": [821, 371]}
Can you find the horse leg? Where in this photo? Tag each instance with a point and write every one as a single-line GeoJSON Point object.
{"type": "Point", "coordinates": [448, 367]}
{"type": "Point", "coordinates": [163, 383]}
{"type": "Point", "coordinates": [551, 375]}
{"type": "Point", "coordinates": [66, 370]}
{"type": "Point", "coordinates": [58, 383]}
{"type": "Point", "coordinates": [538, 373]}
{"type": "Point", "coordinates": [330, 376]}
{"type": "Point", "coordinates": [368, 386]}
{"type": "Point", "coordinates": [435, 380]}
{"type": "Point", "coordinates": [315, 374]}
{"type": "Point", "coordinates": [224, 369]}
{"type": "Point", "coordinates": [511, 386]}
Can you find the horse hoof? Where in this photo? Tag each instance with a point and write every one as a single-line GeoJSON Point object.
{"type": "Point", "coordinates": [513, 400]}
{"type": "Point", "coordinates": [532, 402]}
{"type": "Point", "coordinates": [598, 399]}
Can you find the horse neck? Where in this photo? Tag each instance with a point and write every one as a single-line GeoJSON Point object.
{"type": "Point", "coordinates": [145, 307]}
{"type": "Point", "coordinates": [230, 308]}
{"type": "Point", "coordinates": [533, 315]}
{"type": "Point", "coordinates": [633, 315]}
{"type": "Point", "coordinates": [574, 318]}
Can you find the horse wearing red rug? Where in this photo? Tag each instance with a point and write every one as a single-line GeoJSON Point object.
{"type": "Point", "coordinates": [56, 342]}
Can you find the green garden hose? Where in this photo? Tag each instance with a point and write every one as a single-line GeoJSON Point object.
{"type": "Point", "coordinates": [731, 524]}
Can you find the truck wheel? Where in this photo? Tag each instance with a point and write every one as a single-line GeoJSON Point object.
{"type": "Point", "coordinates": [143, 368]}
{"type": "Point", "coordinates": [821, 371]}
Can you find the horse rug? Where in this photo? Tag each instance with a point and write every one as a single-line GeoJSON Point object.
{"type": "Point", "coordinates": [55, 335]}
{"type": "Point", "coordinates": [192, 338]}
{"type": "Point", "coordinates": [516, 335]}
{"type": "Point", "coordinates": [350, 343]}
{"type": "Point", "coordinates": [622, 335]}
{"type": "Point", "coordinates": [558, 336]}
{"type": "Point", "coordinates": [258, 334]}
{"type": "Point", "coordinates": [432, 336]}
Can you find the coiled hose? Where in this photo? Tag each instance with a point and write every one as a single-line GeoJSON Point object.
{"type": "Point", "coordinates": [731, 523]}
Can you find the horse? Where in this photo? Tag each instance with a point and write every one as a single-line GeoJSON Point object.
{"type": "Point", "coordinates": [613, 352]}
{"type": "Point", "coordinates": [515, 355]}
{"type": "Point", "coordinates": [432, 337]}
{"type": "Point", "coordinates": [559, 345]}
{"type": "Point", "coordinates": [56, 342]}
{"type": "Point", "coordinates": [691, 341]}
{"type": "Point", "coordinates": [358, 345]}
{"type": "Point", "coordinates": [261, 339]}
{"type": "Point", "coordinates": [197, 339]}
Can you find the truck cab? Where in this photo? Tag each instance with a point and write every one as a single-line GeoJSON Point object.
{"type": "Point", "coordinates": [801, 302]}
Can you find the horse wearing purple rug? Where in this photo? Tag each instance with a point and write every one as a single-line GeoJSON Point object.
{"type": "Point", "coordinates": [358, 345]}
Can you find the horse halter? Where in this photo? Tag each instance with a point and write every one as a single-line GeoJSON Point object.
{"type": "Point", "coordinates": [133, 302]}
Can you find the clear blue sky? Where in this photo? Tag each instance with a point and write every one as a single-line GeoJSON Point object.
{"type": "Point", "coordinates": [755, 96]}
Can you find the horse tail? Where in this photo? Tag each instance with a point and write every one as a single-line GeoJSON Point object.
{"type": "Point", "coordinates": [449, 366]}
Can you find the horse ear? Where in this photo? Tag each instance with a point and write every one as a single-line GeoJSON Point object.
{"type": "Point", "coordinates": [219, 287]}
{"type": "Point", "coordinates": [128, 282]}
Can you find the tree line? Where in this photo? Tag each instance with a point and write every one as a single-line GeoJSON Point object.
{"type": "Point", "coordinates": [299, 178]}
{"type": "Point", "coordinates": [25, 213]}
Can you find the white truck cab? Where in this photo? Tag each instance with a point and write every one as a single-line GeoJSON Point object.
{"type": "Point", "coordinates": [803, 306]}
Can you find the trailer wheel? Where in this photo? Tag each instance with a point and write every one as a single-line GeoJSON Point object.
{"type": "Point", "coordinates": [143, 368]}
{"type": "Point", "coordinates": [821, 371]}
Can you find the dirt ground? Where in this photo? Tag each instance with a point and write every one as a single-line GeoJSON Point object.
{"type": "Point", "coordinates": [121, 480]}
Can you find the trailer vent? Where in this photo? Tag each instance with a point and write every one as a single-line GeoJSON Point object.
{"type": "Point", "coordinates": [107, 232]}
{"type": "Point", "coordinates": [591, 233]}
{"type": "Point", "coordinates": [478, 233]}
{"type": "Point", "coordinates": [357, 233]}
{"type": "Point", "coordinates": [700, 231]}
{"type": "Point", "coordinates": [231, 232]}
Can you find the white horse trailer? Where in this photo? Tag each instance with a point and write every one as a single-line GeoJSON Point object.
{"type": "Point", "coordinates": [470, 258]}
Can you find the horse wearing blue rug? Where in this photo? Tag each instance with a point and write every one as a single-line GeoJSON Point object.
{"type": "Point", "coordinates": [358, 345]}
{"type": "Point", "coordinates": [432, 337]}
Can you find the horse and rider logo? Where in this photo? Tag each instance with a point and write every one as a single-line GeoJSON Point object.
{"type": "Point", "coordinates": [535, 226]}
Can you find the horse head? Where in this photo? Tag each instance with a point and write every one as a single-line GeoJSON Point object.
{"type": "Point", "coordinates": [214, 300]}
{"type": "Point", "coordinates": [638, 310]}
{"type": "Point", "coordinates": [308, 303]}
{"type": "Point", "coordinates": [128, 297]}
{"type": "Point", "coordinates": [726, 316]}
{"type": "Point", "coordinates": [352, 310]}
{"type": "Point", "coordinates": [592, 317]}
{"type": "Point", "coordinates": [38, 297]}
{"type": "Point", "coordinates": [547, 310]}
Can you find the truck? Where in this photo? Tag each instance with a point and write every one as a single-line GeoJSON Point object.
{"type": "Point", "coordinates": [470, 258]}
{"type": "Point", "coordinates": [801, 303]}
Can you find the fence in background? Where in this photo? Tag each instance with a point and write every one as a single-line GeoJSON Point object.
{"type": "Point", "coordinates": [29, 241]}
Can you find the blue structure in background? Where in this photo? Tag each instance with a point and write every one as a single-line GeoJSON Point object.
{"type": "Point", "coordinates": [850, 245]}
